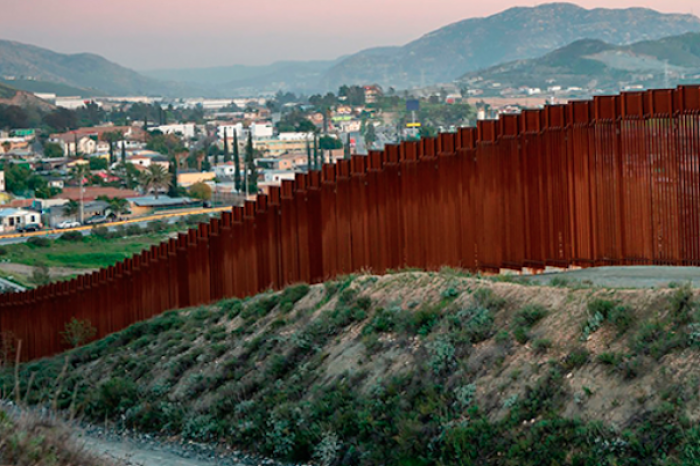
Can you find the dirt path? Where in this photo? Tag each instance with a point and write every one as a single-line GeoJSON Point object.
{"type": "Point", "coordinates": [625, 277]}
{"type": "Point", "coordinates": [134, 449]}
{"type": "Point", "coordinates": [23, 269]}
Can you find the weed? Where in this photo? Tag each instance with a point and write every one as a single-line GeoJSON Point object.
{"type": "Point", "coordinates": [529, 315]}
{"type": "Point", "coordinates": [541, 345]}
{"type": "Point", "coordinates": [576, 358]}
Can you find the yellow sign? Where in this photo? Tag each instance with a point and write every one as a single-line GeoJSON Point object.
{"type": "Point", "coordinates": [413, 125]}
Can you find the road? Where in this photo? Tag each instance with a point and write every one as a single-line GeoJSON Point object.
{"type": "Point", "coordinates": [15, 238]}
{"type": "Point", "coordinates": [625, 277]}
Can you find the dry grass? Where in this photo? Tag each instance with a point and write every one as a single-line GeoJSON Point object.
{"type": "Point", "coordinates": [31, 440]}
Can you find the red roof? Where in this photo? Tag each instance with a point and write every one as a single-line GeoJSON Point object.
{"type": "Point", "coordinates": [93, 192]}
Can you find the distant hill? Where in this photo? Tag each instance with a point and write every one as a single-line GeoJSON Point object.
{"type": "Point", "coordinates": [295, 76]}
{"type": "Point", "coordinates": [594, 63]}
{"type": "Point", "coordinates": [515, 34]}
{"type": "Point", "coordinates": [11, 96]}
{"type": "Point", "coordinates": [90, 72]}
{"type": "Point", "coordinates": [61, 90]}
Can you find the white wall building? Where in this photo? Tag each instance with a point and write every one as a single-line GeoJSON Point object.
{"type": "Point", "coordinates": [296, 136]}
{"type": "Point", "coordinates": [230, 129]}
{"type": "Point", "coordinates": [185, 129]}
{"type": "Point", "coordinates": [11, 218]}
{"type": "Point", "coordinates": [224, 170]}
{"type": "Point", "coordinates": [261, 130]}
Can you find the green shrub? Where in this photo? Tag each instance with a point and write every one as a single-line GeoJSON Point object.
{"type": "Point", "coordinates": [113, 397]}
{"type": "Point", "coordinates": [384, 321]}
{"type": "Point", "coordinates": [610, 359]}
{"type": "Point", "coordinates": [72, 236]}
{"type": "Point", "coordinates": [101, 233]}
{"type": "Point", "coordinates": [261, 307]}
{"type": "Point", "coordinates": [231, 307]}
{"type": "Point", "coordinates": [682, 305]}
{"type": "Point", "coordinates": [600, 306]}
{"type": "Point", "coordinates": [364, 303]}
{"type": "Point", "coordinates": [576, 358]}
{"type": "Point", "coordinates": [529, 315]}
{"type": "Point", "coordinates": [39, 242]}
{"type": "Point", "coordinates": [621, 317]}
{"type": "Point", "coordinates": [521, 335]}
{"type": "Point", "coordinates": [541, 345]}
{"type": "Point", "coordinates": [486, 298]}
{"type": "Point", "coordinates": [133, 229]}
{"type": "Point", "coordinates": [655, 340]}
{"type": "Point", "coordinates": [559, 282]}
{"type": "Point", "coordinates": [3, 251]}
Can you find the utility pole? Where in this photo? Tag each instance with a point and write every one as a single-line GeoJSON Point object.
{"type": "Point", "coordinates": [82, 214]}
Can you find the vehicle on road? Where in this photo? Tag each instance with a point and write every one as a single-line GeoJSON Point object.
{"type": "Point", "coordinates": [96, 220]}
{"type": "Point", "coordinates": [68, 224]}
{"type": "Point", "coordinates": [28, 227]}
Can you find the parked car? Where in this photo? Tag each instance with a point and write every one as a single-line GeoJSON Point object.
{"type": "Point", "coordinates": [28, 227]}
{"type": "Point", "coordinates": [68, 224]}
{"type": "Point", "coordinates": [96, 220]}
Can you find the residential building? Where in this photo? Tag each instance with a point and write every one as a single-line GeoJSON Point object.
{"type": "Point", "coordinates": [144, 205]}
{"type": "Point", "coordinates": [224, 171]}
{"type": "Point", "coordinates": [229, 130]}
{"type": "Point", "coordinates": [11, 218]}
{"type": "Point", "coordinates": [261, 130]}
{"type": "Point", "coordinates": [372, 93]}
{"type": "Point", "coordinates": [187, 179]}
{"type": "Point", "coordinates": [186, 130]}
{"type": "Point", "coordinates": [90, 193]}
{"type": "Point", "coordinates": [2, 181]}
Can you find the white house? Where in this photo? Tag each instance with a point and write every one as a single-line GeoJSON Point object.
{"type": "Point", "coordinates": [185, 129]}
{"type": "Point", "coordinates": [11, 218]}
{"type": "Point", "coordinates": [229, 130]}
{"type": "Point", "coordinates": [224, 170]}
{"type": "Point", "coordinates": [276, 176]}
{"type": "Point", "coordinates": [261, 130]}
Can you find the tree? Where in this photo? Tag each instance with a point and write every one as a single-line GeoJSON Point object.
{"type": "Point", "coordinates": [155, 178]}
{"type": "Point", "coordinates": [309, 161]}
{"type": "Point", "coordinates": [317, 166]}
{"type": "Point", "coordinates": [124, 152]}
{"type": "Point", "coordinates": [370, 135]}
{"type": "Point", "coordinates": [236, 163]}
{"type": "Point", "coordinates": [226, 154]}
{"type": "Point", "coordinates": [250, 166]}
{"type": "Point", "coordinates": [112, 137]}
{"type": "Point", "coordinates": [117, 205]}
{"type": "Point", "coordinates": [76, 332]}
{"type": "Point", "coordinates": [53, 150]}
{"type": "Point", "coordinates": [347, 149]}
{"type": "Point", "coordinates": [6, 147]}
{"type": "Point", "coordinates": [80, 172]}
{"type": "Point", "coordinates": [41, 275]}
{"type": "Point", "coordinates": [71, 208]}
{"type": "Point", "coordinates": [200, 191]}
{"type": "Point", "coordinates": [329, 143]}
{"type": "Point", "coordinates": [98, 163]}
{"type": "Point", "coordinates": [173, 190]}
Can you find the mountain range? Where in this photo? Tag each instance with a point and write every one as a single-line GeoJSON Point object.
{"type": "Point", "coordinates": [515, 34]}
{"type": "Point", "coordinates": [513, 37]}
{"type": "Point", "coordinates": [592, 63]}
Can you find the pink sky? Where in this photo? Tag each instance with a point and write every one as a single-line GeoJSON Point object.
{"type": "Point", "coordinates": [146, 34]}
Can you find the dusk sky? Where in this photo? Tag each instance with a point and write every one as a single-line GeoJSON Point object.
{"type": "Point", "coordinates": [146, 34]}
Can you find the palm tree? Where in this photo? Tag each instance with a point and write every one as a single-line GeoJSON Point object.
{"type": "Point", "coordinates": [71, 208]}
{"type": "Point", "coordinates": [80, 172]}
{"type": "Point", "coordinates": [155, 177]}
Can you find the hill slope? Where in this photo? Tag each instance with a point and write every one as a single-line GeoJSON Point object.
{"type": "Point", "coordinates": [84, 70]}
{"type": "Point", "coordinates": [598, 64]}
{"type": "Point", "coordinates": [12, 96]}
{"type": "Point", "coordinates": [411, 368]}
{"type": "Point", "coordinates": [515, 34]}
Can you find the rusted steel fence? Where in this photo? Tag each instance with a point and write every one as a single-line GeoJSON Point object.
{"type": "Point", "coordinates": [611, 181]}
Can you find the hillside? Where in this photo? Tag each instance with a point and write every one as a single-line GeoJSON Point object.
{"type": "Point", "coordinates": [86, 71]}
{"type": "Point", "coordinates": [12, 96]}
{"type": "Point", "coordinates": [61, 90]}
{"type": "Point", "coordinates": [515, 34]}
{"type": "Point", "coordinates": [409, 368]}
{"type": "Point", "coordinates": [589, 63]}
